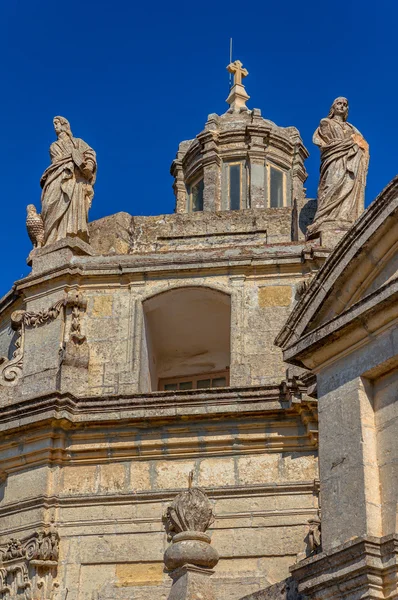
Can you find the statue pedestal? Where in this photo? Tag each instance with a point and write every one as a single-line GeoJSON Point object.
{"type": "Point", "coordinates": [58, 254]}
{"type": "Point", "coordinates": [330, 233]}
{"type": "Point", "coordinates": [330, 238]}
{"type": "Point", "coordinates": [191, 583]}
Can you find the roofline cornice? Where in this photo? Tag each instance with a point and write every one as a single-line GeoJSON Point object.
{"type": "Point", "coordinates": [383, 207]}
{"type": "Point", "coordinates": [367, 317]}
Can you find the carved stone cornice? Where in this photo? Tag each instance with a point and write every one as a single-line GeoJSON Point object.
{"type": "Point", "coordinates": [378, 218]}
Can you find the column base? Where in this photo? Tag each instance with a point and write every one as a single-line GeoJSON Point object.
{"type": "Point", "coordinates": [191, 583]}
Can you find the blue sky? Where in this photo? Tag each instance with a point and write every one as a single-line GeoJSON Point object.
{"type": "Point", "coordinates": [135, 79]}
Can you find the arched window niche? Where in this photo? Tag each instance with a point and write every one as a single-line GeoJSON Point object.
{"type": "Point", "coordinates": [186, 340]}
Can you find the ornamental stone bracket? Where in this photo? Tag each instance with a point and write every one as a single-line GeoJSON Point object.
{"type": "Point", "coordinates": [11, 369]}
{"type": "Point", "coordinates": [28, 567]}
{"type": "Point", "coordinates": [297, 393]}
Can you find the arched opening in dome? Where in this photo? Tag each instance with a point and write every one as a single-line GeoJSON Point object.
{"type": "Point", "coordinates": [186, 341]}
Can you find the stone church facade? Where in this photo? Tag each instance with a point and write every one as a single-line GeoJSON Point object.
{"type": "Point", "coordinates": [144, 356]}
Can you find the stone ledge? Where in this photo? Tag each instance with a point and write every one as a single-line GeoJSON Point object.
{"type": "Point", "coordinates": [364, 567]}
{"type": "Point", "coordinates": [251, 259]}
{"type": "Point", "coordinates": [165, 495]}
{"type": "Point", "coordinates": [158, 404]}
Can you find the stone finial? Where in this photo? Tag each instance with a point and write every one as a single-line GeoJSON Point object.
{"type": "Point", "coordinates": [190, 511]}
{"type": "Point", "coordinates": [237, 96]}
{"type": "Point", "coordinates": [190, 558]}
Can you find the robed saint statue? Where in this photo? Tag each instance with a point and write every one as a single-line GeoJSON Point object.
{"type": "Point", "coordinates": [344, 166]}
{"type": "Point", "coordinates": [67, 186]}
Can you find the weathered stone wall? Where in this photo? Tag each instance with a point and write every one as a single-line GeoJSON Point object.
{"type": "Point", "coordinates": [122, 234]}
{"type": "Point", "coordinates": [114, 325]}
{"type": "Point", "coordinates": [107, 485]}
{"type": "Point", "coordinates": [89, 444]}
{"type": "Point", "coordinates": [260, 283]}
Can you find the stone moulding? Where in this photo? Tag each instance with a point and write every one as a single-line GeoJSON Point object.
{"type": "Point", "coordinates": [11, 369]}
{"type": "Point", "coordinates": [28, 567]}
{"type": "Point", "coordinates": [375, 217]}
{"type": "Point", "coordinates": [267, 399]}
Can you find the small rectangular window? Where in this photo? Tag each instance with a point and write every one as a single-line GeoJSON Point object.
{"type": "Point", "coordinates": [218, 382]}
{"type": "Point", "coordinates": [185, 385]}
{"type": "Point", "coordinates": [195, 382]}
{"type": "Point", "coordinates": [195, 196]}
{"type": "Point", "coordinates": [235, 183]}
{"type": "Point", "coordinates": [203, 383]}
{"type": "Point", "coordinates": [170, 386]}
{"type": "Point", "coordinates": [276, 188]}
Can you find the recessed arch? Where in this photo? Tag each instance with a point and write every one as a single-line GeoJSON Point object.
{"type": "Point", "coordinates": [186, 333]}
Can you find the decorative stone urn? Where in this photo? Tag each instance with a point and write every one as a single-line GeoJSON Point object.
{"type": "Point", "coordinates": [190, 558]}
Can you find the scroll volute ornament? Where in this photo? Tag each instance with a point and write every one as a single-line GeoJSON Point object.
{"type": "Point", "coordinates": [28, 567]}
{"type": "Point", "coordinates": [11, 369]}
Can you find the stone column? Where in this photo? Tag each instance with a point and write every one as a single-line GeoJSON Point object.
{"type": "Point", "coordinates": [190, 558]}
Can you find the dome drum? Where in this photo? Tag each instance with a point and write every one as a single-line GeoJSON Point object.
{"type": "Point", "coordinates": [239, 161]}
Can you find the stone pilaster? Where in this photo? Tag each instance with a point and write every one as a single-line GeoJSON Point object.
{"type": "Point", "coordinates": [211, 171]}
{"type": "Point", "coordinates": [256, 156]}
{"type": "Point", "coordinates": [299, 172]}
{"type": "Point", "coordinates": [350, 490]}
{"type": "Point", "coordinates": [179, 187]}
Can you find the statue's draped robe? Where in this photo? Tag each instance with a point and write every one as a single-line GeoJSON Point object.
{"type": "Point", "coordinates": [67, 192]}
{"type": "Point", "coordinates": [343, 172]}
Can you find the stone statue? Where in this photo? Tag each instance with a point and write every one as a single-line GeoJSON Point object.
{"type": "Point", "coordinates": [315, 535]}
{"type": "Point", "coordinates": [344, 166]}
{"type": "Point", "coordinates": [67, 186]}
